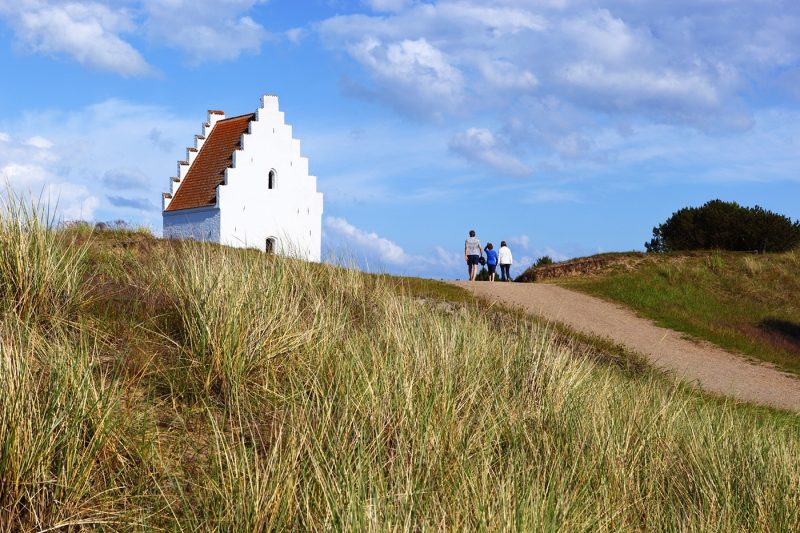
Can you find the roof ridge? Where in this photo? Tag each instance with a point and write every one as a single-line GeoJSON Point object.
{"type": "Point", "coordinates": [237, 116]}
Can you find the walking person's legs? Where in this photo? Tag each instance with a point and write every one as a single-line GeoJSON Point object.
{"type": "Point", "coordinates": [472, 261]}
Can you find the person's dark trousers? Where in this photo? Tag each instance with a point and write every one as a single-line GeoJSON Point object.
{"type": "Point", "coordinates": [505, 272]}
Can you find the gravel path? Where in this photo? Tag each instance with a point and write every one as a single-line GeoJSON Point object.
{"type": "Point", "coordinates": [698, 362]}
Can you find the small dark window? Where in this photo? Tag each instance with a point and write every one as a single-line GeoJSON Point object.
{"type": "Point", "coordinates": [273, 178]}
{"type": "Point", "coordinates": [270, 248]}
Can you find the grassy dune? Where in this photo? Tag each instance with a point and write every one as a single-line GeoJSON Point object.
{"type": "Point", "coordinates": [151, 385]}
{"type": "Point", "coordinates": [745, 302]}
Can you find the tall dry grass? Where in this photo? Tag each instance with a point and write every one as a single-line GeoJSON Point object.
{"type": "Point", "coordinates": [41, 270]}
{"type": "Point", "coordinates": [238, 313]}
{"type": "Point", "coordinates": [59, 453]}
{"type": "Point", "coordinates": [62, 455]}
{"type": "Point", "coordinates": [395, 415]}
{"type": "Point", "coordinates": [283, 395]}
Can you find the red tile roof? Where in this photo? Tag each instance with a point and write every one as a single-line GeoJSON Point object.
{"type": "Point", "coordinates": [199, 187]}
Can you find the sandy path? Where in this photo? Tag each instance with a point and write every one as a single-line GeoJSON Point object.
{"type": "Point", "coordinates": [708, 366]}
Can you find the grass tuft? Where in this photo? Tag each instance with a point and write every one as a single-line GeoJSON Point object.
{"type": "Point", "coordinates": [59, 453]}
{"type": "Point", "coordinates": [41, 270]}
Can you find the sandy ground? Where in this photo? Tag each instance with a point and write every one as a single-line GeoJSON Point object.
{"type": "Point", "coordinates": [700, 363]}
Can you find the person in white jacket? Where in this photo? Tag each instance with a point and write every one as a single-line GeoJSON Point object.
{"type": "Point", "coordinates": [505, 259]}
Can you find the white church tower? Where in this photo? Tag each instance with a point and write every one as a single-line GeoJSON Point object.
{"type": "Point", "coordinates": [245, 184]}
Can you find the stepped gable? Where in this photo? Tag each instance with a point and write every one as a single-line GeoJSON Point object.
{"type": "Point", "coordinates": [207, 171]}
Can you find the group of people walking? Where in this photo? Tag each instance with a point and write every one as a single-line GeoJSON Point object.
{"type": "Point", "coordinates": [474, 255]}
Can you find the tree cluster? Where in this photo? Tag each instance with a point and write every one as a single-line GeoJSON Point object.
{"type": "Point", "coordinates": [719, 225]}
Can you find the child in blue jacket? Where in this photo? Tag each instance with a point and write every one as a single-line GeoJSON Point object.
{"type": "Point", "coordinates": [491, 260]}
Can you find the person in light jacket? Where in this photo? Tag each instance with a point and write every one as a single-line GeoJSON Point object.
{"type": "Point", "coordinates": [505, 259]}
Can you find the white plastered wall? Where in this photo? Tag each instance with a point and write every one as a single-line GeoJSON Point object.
{"type": "Point", "coordinates": [291, 212]}
{"type": "Point", "coordinates": [201, 224]}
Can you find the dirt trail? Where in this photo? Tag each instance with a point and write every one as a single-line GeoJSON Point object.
{"type": "Point", "coordinates": [701, 363]}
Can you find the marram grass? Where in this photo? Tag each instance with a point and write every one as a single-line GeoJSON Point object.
{"type": "Point", "coordinates": [256, 393]}
{"type": "Point", "coordinates": [40, 270]}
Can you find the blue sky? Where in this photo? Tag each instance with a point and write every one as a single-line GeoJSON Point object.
{"type": "Point", "coordinates": [566, 127]}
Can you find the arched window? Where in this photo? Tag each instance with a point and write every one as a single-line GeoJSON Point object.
{"type": "Point", "coordinates": [271, 245]}
{"type": "Point", "coordinates": [272, 180]}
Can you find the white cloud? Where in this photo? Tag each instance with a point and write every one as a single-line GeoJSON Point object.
{"type": "Point", "coordinates": [448, 258]}
{"type": "Point", "coordinates": [206, 30]}
{"type": "Point", "coordinates": [632, 88]}
{"type": "Point", "coordinates": [295, 35]}
{"type": "Point", "coordinates": [497, 20]}
{"type": "Point", "coordinates": [770, 152]}
{"type": "Point", "coordinates": [480, 145]}
{"type": "Point", "coordinates": [39, 142]}
{"type": "Point", "coordinates": [414, 73]}
{"type": "Point", "coordinates": [421, 59]}
{"type": "Point", "coordinates": [601, 34]}
{"type": "Point", "coordinates": [98, 34]}
{"type": "Point", "coordinates": [670, 62]}
{"type": "Point", "coordinates": [88, 32]}
{"type": "Point", "coordinates": [548, 251]}
{"type": "Point", "coordinates": [69, 201]}
{"type": "Point", "coordinates": [72, 201]}
{"type": "Point", "coordinates": [372, 250]}
{"type": "Point", "coordinates": [522, 241]}
{"type": "Point", "coordinates": [369, 242]}
{"type": "Point", "coordinates": [550, 196]}
{"type": "Point", "coordinates": [21, 175]}
{"type": "Point", "coordinates": [388, 5]}
{"type": "Point", "coordinates": [77, 157]}
{"type": "Point", "coordinates": [573, 146]}
{"type": "Point", "coordinates": [504, 74]}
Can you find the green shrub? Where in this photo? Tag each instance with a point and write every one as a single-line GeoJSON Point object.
{"type": "Point", "coordinates": [725, 226]}
{"type": "Point", "coordinates": [543, 261]}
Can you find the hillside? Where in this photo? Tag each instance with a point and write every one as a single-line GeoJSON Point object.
{"type": "Point", "coordinates": [154, 385]}
{"type": "Point", "coordinates": [745, 302]}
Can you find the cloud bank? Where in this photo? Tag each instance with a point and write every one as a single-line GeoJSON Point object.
{"type": "Point", "coordinates": [101, 35]}
{"type": "Point", "coordinates": [557, 75]}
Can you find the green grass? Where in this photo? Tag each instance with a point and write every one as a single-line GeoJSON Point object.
{"type": "Point", "coordinates": [744, 302]}
{"type": "Point", "coordinates": [427, 288]}
{"type": "Point", "coordinates": [193, 387]}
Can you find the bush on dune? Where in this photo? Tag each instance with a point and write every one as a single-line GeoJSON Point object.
{"type": "Point", "coordinates": [725, 226]}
